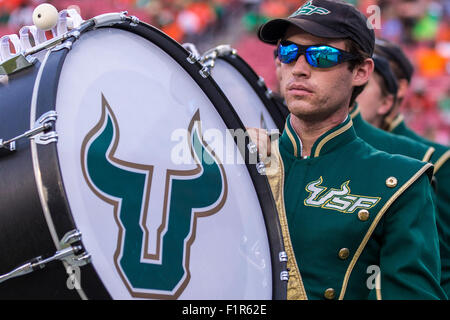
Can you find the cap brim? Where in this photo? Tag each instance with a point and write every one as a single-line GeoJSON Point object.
{"type": "Point", "coordinates": [274, 30]}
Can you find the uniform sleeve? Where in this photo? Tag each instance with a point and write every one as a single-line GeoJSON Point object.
{"type": "Point", "coordinates": [409, 258]}
{"type": "Point", "coordinates": [443, 221]}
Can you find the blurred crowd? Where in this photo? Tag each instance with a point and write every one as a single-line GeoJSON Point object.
{"type": "Point", "coordinates": [421, 27]}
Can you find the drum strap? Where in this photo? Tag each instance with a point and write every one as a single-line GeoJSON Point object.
{"type": "Point", "coordinates": [275, 175]}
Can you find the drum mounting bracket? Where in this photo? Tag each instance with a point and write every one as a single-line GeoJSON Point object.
{"type": "Point", "coordinates": [41, 133]}
{"type": "Point", "coordinates": [71, 253]}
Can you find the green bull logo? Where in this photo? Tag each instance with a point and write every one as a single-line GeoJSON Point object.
{"type": "Point", "coordinates": [188, 195]}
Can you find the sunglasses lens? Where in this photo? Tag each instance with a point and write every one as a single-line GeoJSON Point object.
{"type": "Point", "coordinates": [287, 53]}
{"type": "Point", "coordinates": [323, 56]}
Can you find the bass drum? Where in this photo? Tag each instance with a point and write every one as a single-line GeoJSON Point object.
{"type": "Point", "coordinates": [127, 177]}
{"type": "Point", "coordinates": [247, 91]}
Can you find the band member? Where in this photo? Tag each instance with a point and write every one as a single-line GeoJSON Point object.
{"type": "Point", "coordinates": [357, 223]}
{"type": "Point", "coordinates": [394, 123]}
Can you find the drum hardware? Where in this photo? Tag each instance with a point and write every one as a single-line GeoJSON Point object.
{"type": "Point", "coordinates": [73, 255]}
{"type": "Point", "coordinates": [218, 51]}
{"type": "Point", "coordinates": [283, 256]}
{"type": "Point", "coordinates": [192, 58]}
{"type": "Point", "coordinates": [65, 45]}
{"type": "Point", "coordinates": [208, 59]}
{"type": "Point", "coordinates": [22, 60]}
{"type": "Point", "coordinates": [43, 124]}
{"type": "Point", "coordinates": [134, 21]}
{"type": "Point", "coordinates": [269, 93]}
{"type": "Point", "coordinates": [261, 168]}
{"type": "Point", "coordinates": [262, 84]}
{"type": "Point", "coordinates": [252, 147]}
{"type": "Point", "coordinates": [284, 275]}
{"type": "Point", "coordinates": [205, 72]}
{"type": "Point", "coordinates": [194, 55]}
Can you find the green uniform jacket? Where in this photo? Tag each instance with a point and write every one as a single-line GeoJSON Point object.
{"type": "Point", "coordinates": [388, 142]}
{"type": "Point", "coordinates": [440, 159]}
{"type": "Point", "coordinates": [349, 211]}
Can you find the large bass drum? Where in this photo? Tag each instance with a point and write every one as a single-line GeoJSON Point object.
{"type": "Point", "coordinates": [121, 177]}
{"type": "Point", "coordinates": [251, 98]}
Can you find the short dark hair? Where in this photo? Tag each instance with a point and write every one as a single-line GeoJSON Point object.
{"type": "Point", "coordinates": [361, 56]}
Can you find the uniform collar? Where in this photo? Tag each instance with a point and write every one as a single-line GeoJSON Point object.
{"type": "Point", "coordinates": [329, 141]}
{"type": "Point", "coordinates": [397, 122]}
{"type": "Point", "coordinates": [356, 112]}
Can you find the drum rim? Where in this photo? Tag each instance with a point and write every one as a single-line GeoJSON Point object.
{"type": "Point", "coordinates": [51, 73]}
{"type": "Point", "coordinates": [252, 78]}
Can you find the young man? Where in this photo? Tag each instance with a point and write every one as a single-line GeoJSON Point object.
{"type": "Point", "coordinates": [403, 70]}
{"type": "Point", "coordinates": [350, 214]}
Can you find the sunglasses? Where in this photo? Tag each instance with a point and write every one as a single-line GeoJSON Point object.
{"type": "Point", "coordinates": [318, 56]}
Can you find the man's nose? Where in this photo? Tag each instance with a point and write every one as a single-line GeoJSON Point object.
{"type": "Point", "coordinates": [301, 67]}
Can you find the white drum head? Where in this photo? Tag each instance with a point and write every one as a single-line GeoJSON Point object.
{"type": "Point", "coordinates": [127, 125]}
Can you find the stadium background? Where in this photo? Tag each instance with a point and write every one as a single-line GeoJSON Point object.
{"type": "Point", "coordinates": [421, 27]}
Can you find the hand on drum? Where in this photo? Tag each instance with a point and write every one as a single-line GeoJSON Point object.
{"type": "Point", "coordinates": [262, 140]}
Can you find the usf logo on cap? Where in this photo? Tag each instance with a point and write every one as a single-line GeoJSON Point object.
{"type": "Point", "coordinates": [188, 195]}
{"type": "Point", "coordinates": [309, 9]}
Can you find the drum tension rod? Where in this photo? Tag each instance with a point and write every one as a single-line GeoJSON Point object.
{"type": "Point", "coordinates": [73, 255]}
{"type": "Point", "coordinates": [42, 125]}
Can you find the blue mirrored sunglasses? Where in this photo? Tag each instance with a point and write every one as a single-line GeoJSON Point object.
{"type": "Point", "coordinates": [318, 56]}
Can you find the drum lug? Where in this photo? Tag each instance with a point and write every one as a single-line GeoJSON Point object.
{"type": "Point", "coordinates": [205, 72]}
{"type": "Point", "coordinates": [74, 255]}
{"type": "Point", "coordinates": [261, 82]}
{"type": "Point", "coordinates": [261, 168]}
{"type": "Point", "coordinates": [108, 19]}
{"type": "Point", "coordinates": [194, 56]}
{"type": "Point", "coordinates": [269, 94]}
{"type": "Point", "coordinates": [284, 276]}
{"type": "Point", "coordinates": [7, 148]}
{"type": "Point", "coordinates": [46, 121]}
{"type": "Point", "coordinates": [134, 21]}
{"type": "Point", "coordinates": [283, 256]}
{"type": "Point", "coordinates": [252, 147]}
{"type": "Point", "coordinates": [65, 45]}
{"type": "Point", "coordinates": [40, 133]}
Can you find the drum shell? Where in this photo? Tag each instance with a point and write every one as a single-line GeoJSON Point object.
{"type": "Point", "coordinates": [55, 195]}
{"type": "Point", "coordinates": [24, 232]}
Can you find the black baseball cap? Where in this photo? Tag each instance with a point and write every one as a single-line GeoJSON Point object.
{"type": "Point", "coordinates": [384, 70]}
{"type": "Point", "coordinates": [394, 53]}
{"type": "Point", "coordinates": [325, 19]}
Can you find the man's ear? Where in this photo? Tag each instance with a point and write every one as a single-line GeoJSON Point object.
{"type": "Point", "coordinates": [362, 72]}
{"type": "Point", "coordinates": [402, 88]}
{"type": "Point", "coordinates": [387, 103]}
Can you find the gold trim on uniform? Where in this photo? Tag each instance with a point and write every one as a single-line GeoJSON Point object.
{"type": "Point", "coordinates": [378, 286]}
{"type": "Point", "coordinates": [391, 182]}
{"type": "Point", "coordinates": [428, 154]}
{"type": "Point", "coordinates": [438, 164]}
{"type": "Point", "coordinates": [395, 122]}
{"type": "Point", "coordinates": [331, 136]}
{"type": "Point", "coordinates": [291, 137]}
{"type": "Point", "coordinates": [275, 175]}
{"type": "Point", "coordinates": [374, 225]}
{"type": "Point", "coordinates": [355, 112]}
